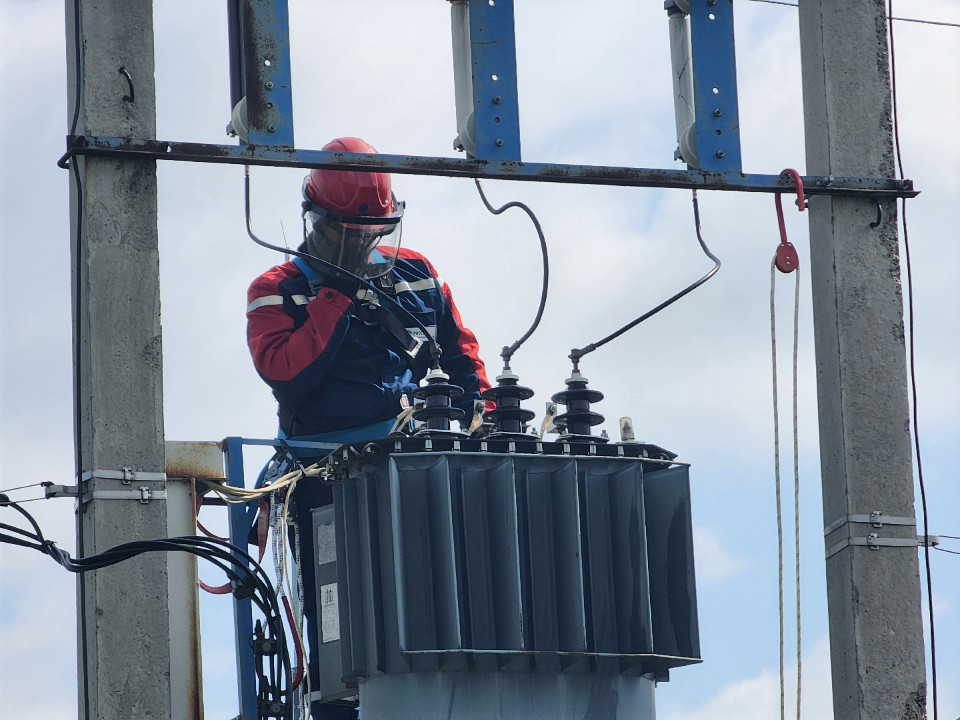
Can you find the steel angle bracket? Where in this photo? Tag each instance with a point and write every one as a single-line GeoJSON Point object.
{"type": "Point", "coordinates": [494, 62]}
{"type": "Point", "coordinates": [715, 85]}
{"type": "Point", "coordinates": [876, 519]}
{"type": "Point", "coordinates": [260, 68]}
{"type": "Point", "coordinates": [735, 181]}
{"type": "Point", "coordinates": [875, 542]}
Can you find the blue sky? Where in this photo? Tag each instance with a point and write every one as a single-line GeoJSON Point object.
{"type": "Point", "coordinates": [594, 88]}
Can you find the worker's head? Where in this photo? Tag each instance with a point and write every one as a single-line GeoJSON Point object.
{"type": "Point", "coordinates": [352, 219]}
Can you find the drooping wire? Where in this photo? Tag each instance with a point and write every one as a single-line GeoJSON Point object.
{"type": "Point", "coordinates": [339, 272]}
{"type": "Point", "coordinates": [509, 350]}
{"type": "Point", "coordinates": [247, 576]}
{"type": "Point", "coordinates": [913, 367]}
{"type": "Point", "coordinates": [920, 21]}
{"type": "Point", "coordinates": [796, 484]}
{"type": "Point", "coordinates": [578, 353]}
{"type": "Point", "coordinates": [77, 376]}
{"type": "Point", "coordinates": [21, 487]}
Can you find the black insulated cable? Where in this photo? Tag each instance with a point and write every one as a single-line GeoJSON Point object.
{"type": "Point", "coordinates": [338, 272]}
{"type": "Point", "coordinates": [509, 350]}
{"type": "Point", "coordinates": [578, 353]}
{"type": "Point", "coordinates": [78, 414]}
{"type": "Point", "coordinates": [913, 370]}
{"type": "Point", "coordinates": [246, 576]}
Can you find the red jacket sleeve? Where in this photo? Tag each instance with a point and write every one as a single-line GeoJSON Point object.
{"type": "Point", "coordinates": [280, 350]}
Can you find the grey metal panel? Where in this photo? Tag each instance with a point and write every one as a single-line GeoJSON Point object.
{"type": "Point", "coordinates": [598, 570]}
{"type": "Point", "coordinates": [424, 554]}
{"type": "Point", "coordinates": [673, 593]}
{"type": "Point", "coordinates": [540, 582]}
{"type": "Point", "coordinates": [497, 561]}
{"type": "Point", "coordinates": [553, 580]}
{"type": "Point", "coordinates": [328, 651]}
{"type": "Point", "coordinates": [571, 614]}
{"type": "Point", "coordinates": [507, 696]}
{"type": "Point", "coordinates": [370, 562]}
{"type": "Point", "coordinates": [505, 556]}
{"type": "Point", "coordinates": [488, 557]}
{"type": "Point", "coordinates": [388, 597]}
{"type": "Point", "coordinates": [631, 581]}
{"type": "Point", "coordinates": [349, 565]}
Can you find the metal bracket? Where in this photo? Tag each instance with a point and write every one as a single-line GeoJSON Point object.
{"type": "Point", "coordinates": [142, 494]}
{"type": "Point", "coordinates": [876, 518]}
{"type": "Point", "coordinates": [125, 475]}
{"type": "Point", "coordinates": [138, 148]}
{"type": "Point", "coordinates": [875, 542]}
{"type": "Point", "coordinates": [55, 491]}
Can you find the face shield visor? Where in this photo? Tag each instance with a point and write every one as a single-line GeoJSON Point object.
{"type": "Point", "coordinates": [365, 245]}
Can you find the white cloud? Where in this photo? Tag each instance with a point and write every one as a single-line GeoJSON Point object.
{"type": "Point", "coordinates": [758, 696]}
{"type": "Point", "coordinates": [594, 88]}
{"type": "Point", "coordinates": [715, 562]}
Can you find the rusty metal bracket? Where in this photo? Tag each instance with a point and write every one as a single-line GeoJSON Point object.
{"type": "Point", "coordinates": [283, 156]}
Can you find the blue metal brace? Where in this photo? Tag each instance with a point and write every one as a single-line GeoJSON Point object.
{"type": "Point", "coordinates": [241, 519]}
{"type": "Point", "coordinates": [715, 85]}
{"type": "Point", "coordinates": [494, 58]}
{"type": "Point", "coordinates": [264, 27]}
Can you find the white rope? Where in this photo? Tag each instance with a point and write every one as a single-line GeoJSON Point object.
{"type": "Point", "coordinates": [776, 475]}
{"type": "Point", "coordinates": [279, 520]}
{"type": "Point", "coordinates": [796, 485]}
{"type": "Point", "coordinates": [305, 691]}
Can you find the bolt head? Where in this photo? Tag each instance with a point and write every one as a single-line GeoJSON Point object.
{"type": "Point", "coordinates": [721, 153]}
{"type": "Point", "coordinates": [718, 112]}
{"type": "Point", "coordinates": [268, 84]}
{"type": "Point", "coordinates": [272, 128]}
{"type": "Point", "coordinates": [499, 142]}
{"type": "Point", "coordinates": [496, 99]}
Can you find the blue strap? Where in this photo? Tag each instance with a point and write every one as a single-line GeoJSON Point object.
{"type": "Point", "coordinates": [314, 279]}
{"type": "Point", "coordinates": [375, 431]}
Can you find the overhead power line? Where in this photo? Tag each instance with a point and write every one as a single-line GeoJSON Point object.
{"type": "Point", "coordinates": [919, 21]}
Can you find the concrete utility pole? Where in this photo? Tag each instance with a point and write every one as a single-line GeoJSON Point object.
{"type": "Point", "coordinates": [876, 635]}
{"type": "Point", "coordinates": [123, 617]}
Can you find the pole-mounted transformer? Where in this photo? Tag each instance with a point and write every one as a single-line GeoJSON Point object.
{"type": "Point", "coordinates": [506, 578]}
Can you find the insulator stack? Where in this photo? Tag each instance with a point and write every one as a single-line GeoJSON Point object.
{"type": "Point", "coordinates": [578, 418]}
{"type": "Point", "coordinates": [509, 419]}
{"type": "Point", "coordinates": [437, 411]}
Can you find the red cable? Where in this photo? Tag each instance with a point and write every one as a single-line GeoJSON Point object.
{"type": "Point", "coordinates": [298, 676]}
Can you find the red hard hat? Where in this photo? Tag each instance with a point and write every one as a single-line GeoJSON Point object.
{"type": "Point", "coordinates": [347, 192]}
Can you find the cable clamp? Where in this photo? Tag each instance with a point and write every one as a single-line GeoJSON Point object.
{"type": "Point", "coordinates": [875, 542]}
{"type": "Point", "coordinates": [142, 494]}
{"type": "Point", "coordinates": [876, 519]}
{"type": "Point", "coordinates": [126, 475]}
{"type": "Point", "coordinates": [55, 491]}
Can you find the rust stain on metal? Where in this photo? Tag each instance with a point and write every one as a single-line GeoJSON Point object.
{"type": "Point", "coordinates": [194, 460]}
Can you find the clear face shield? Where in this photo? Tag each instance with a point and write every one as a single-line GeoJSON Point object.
{"type": "Point", "coordinates": [364, 245]}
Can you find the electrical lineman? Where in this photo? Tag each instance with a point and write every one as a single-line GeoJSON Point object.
{"type": "Point", "coordinates": [341, 363]}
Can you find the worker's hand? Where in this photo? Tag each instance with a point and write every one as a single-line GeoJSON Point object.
{"type": "Point", "coordinates": [345, 285]}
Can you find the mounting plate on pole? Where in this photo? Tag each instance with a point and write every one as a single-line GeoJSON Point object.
{"type": "Point", "coordinates": [264, 27]}
{"type": "Point", "coordinates": [715, 85]}
{"type": "Point", "coordinates": [494, 58]}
